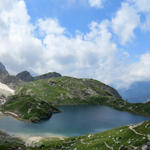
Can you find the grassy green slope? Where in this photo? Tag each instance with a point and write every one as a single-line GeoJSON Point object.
{"type": "Point", "coordinates": [136, 108]}
{"type": "Point", "coordinates": [73, 91]}
{"type": "Point", "coordinates": [67, 90]}
{"type": "Point", "coordinates": [28, 108]}
{"type": "Point", "coordinates": [10, 143]}
{"type": "Point", "coordinates": [123, 138]}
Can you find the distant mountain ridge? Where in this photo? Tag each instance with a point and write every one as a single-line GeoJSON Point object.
{"type": "Point", "coordinates": [137, 92]}
{"type": "Point", "coordinates": [24, 76]}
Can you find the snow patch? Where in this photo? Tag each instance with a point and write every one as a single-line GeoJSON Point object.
{"type": "Point", "coordinates": [5, 90]}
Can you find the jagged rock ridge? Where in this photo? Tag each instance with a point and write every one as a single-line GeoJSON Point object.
{"type": "Point", "coordinates": [27, 77]}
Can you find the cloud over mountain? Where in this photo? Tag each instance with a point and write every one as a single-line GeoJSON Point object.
{"type": "Point", "coordinates": [46, 45]}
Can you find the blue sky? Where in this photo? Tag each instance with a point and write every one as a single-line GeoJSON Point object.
{"type": "Point", "coordinates": [101, 39]}
{"type": "Point", "coordinates": [75, 16]}
{"type": "Point", "coordinates": [78, 15]}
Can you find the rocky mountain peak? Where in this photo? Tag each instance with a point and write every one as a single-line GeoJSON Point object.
{"type": "Point", "coordinates": [3, 69]}
{"type": "Point", "coordinates": [25, 76]}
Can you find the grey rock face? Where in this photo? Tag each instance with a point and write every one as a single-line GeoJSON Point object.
{"type": "Point", "coordinates": [3, 69]}
{"type": "Point", "coordinates": [25, 76]}
{"type": "Point", "coordinates": [20, 78]}
{"type": "Point", "coordinates": [11, 81]}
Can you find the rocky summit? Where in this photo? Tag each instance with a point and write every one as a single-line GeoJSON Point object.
{"type": "Point", "coordinates": [3, 68]}
{"type": "Point", "coordinates": [10, 80]}
{"type": "Point", "coordinates": [25, 76]}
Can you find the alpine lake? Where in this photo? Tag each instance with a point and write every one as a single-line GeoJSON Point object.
{"type": "Point", "coordinates": [72, 121]}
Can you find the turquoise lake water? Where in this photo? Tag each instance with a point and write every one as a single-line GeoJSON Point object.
{"type": "Point", "coordinates": [72, 121]}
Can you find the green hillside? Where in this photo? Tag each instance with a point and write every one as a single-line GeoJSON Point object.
{"type": "Point", "coordinates": [8, 142]}
{"type": "Point", "coordinates": [132, 137]}
{"type": "Point", "coordinates": [73, 91]}
{"type": "Point", "coordinates": [28, 108]}
{"type": "Point", "coordinates": [68, 90]}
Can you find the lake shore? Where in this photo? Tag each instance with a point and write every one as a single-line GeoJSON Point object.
{"type": "Point", "coordinates": [13, 115]}
{"type": "Point", "coordinates": [24, 140]}
{"type": "Point", "coordinates": [30, 140]}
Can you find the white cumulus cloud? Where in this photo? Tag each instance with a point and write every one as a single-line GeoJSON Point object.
{"type": "Point", "coordinates": [140, 70]}
{"type": "Point", "coordinates": [130, 17]}
{"type": "Point", "coordinates": [96, 3]}
{"type": "Point", "coordinates": [50, 26]}
{"type": "Point", "coordinates": [143, 6]}
{"type": "Point", "coordinates": [93, 54]}
{"type": "Point", "coordinates": [125, 22]}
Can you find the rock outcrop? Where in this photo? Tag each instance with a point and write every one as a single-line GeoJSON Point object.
{"type": "Point", "coordinates": [10, 80]}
